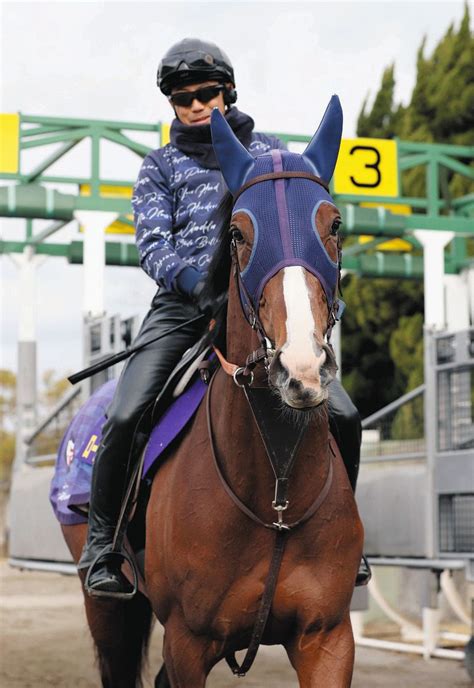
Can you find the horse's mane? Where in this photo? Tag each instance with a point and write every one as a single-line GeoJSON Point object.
{"type": "Point", "coordinates": [217, 281]}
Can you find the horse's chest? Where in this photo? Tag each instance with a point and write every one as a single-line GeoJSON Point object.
{"type": "Point", "coordinates": [228, 605]}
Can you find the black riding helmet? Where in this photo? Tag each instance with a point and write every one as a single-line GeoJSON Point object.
{"type": "Point", "coordinates": [191, 61]}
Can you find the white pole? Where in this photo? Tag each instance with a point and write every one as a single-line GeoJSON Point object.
{"type": "Point", "coordinates": [26, 412]}
{"type": "Point", "coordinates": [434, 243]}
{"type": "Point", "coordinates": [94, 223]}
{"type": "Point", "coordinates": [457, 302]}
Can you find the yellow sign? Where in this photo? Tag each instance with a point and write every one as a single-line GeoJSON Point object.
{"type": "Point", "coordinates": [10, 143]}
{"type": "Point", "coordinates": [367, 167]}
{"type": "Point", "coordinates": [399, 245]}
{"type": "Point", "coordinates": [111, 191]}
{"type": "Point", "coordinates": [165, 134]}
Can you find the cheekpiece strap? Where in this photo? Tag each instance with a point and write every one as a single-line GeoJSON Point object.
{"type": "Point", "coordinates": [281, 175]}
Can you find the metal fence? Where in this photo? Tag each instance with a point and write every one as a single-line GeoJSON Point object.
{"type": "Point", "coordinates": [41, 446]}
{"type": "Point", "coordinates": [396, 432]}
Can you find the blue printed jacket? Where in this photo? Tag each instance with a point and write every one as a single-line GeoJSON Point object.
{"type": "Point", "coordinates": [173, 201]}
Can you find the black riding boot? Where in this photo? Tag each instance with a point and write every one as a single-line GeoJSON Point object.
{"type": "Point", "coordinates": [105, 577]}
{"type": "Point", "coordinates": [344, 421]}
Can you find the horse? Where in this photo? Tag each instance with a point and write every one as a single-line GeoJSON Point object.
{"type": "Point", "coordinates": [238, 551]}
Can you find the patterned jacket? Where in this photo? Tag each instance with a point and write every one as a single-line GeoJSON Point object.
{"type": "Point", "coordinates": [173, 202]}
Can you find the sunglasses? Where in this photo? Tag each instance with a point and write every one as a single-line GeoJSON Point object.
{"type": "Point", "coordinates": [204, 95]}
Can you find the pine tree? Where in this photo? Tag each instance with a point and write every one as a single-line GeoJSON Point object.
{"type": "Point", "coordinates": [384, 317]}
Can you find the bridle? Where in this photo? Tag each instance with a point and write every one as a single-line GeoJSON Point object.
{"type": "Point", "coordinates": [243, 375]}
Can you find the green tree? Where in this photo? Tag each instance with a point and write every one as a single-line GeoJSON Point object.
{"type": "Point", "coordinates": [7, 421]}
{"type": "Point", "coordinates": [382, 344]}
{"type": "Point", "coordinates": [382, 120]}
{"type": "Point", "coordinates": [53, 387]}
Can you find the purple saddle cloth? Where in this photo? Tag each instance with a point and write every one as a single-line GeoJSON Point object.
{"type": "Point", "coordinates": [70, 486]}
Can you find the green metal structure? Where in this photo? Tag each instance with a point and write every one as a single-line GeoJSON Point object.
{"type": "Point", "coordinates": [30, 194]}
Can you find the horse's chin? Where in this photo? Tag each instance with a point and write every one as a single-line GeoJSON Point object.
{"type": "Point", "coordinates": [307, 402]}
{"type": "Point", "coordinates": [301, 412]}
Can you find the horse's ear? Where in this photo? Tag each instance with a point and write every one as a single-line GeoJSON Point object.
{"type": "Point", "coordinates": [234, 160]}
{"type": "Point", "coordinates": [323, 149]}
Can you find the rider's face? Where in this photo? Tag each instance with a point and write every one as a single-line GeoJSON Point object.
{"type": "Point", "coordinates": [197, 113]}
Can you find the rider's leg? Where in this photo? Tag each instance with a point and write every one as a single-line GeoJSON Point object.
{"type": "Point", "coordinates": [138, 386]}
{"type": "Point", "coordinates": [344, 421]}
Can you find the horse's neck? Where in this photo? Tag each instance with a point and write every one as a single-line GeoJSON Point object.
{"type": "Point", "coordinates": [238, 440]}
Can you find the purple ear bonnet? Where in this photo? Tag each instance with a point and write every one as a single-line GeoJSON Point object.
{"type": "Point", "coordinates": [283, 211]}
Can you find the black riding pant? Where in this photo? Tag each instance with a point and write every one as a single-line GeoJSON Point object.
{"type": "Point", "coordinates": [128, 422]}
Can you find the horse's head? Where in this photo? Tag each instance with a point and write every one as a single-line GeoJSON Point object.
{"type": "Point", "coordinates": [284, 237]}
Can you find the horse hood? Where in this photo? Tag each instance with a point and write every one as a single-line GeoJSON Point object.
{"type": "Point", "coordinates": [283, 210]}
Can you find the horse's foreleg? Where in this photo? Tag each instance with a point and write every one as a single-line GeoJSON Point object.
{"type": "Point", "coordinates": [324, 658]}
{"type": "Point", "coordinates": [185, 655]}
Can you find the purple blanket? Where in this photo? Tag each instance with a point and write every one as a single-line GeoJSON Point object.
{"type": "Point", "coordinates": [70, 487]}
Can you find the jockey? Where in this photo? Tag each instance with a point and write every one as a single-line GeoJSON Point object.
{"type": "Point", "coordinates": [178, 188]}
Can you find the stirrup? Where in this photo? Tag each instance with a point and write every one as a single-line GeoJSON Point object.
{"type": "Point", "coordinates": [363, 581]}
{"type": "Point", "coordinates": [108, 551]}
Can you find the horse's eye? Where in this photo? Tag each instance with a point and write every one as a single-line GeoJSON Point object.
{"type": "Point", "coordinates": [335, 226]}
{"type": "Point", "coordinates": [237, 235]}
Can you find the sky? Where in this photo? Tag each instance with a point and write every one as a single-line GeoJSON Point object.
{"type": "Point", "coordinates": [98, 60]}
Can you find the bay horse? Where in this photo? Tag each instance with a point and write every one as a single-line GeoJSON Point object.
{"type": "Point", "coordinates": [208, 557]}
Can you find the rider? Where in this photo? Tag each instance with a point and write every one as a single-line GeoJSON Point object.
{"type": "Point", "coordinates": [178, 188]}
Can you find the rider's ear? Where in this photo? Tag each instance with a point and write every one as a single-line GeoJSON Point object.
{"type": "Point", "coordinates": [323, 149]}
{"type": "Point", "coordinates": [234, 160]}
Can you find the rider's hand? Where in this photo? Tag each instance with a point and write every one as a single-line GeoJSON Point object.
{"type": "Point", "coordinates": [206, 305]}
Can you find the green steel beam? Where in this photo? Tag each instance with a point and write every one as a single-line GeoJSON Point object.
{"type": "Point", "coordinates": [48, 249]}
{"type": "Point", "coordinates": [36, 201]}
{"type": "Point", "coordinates": [358, 248]}
{"type": "Point", "coordinates": [65, 122]}
{"type": "Point", "coordinates": [448, 148]}
{"type": "Point", "coordinates": [39, 130]}
{"type": "Point", "coordinates": [456, 166]}
{"type": "Point", "coordinates": [36, 239]}
{"type": "Point", "coordinates": [408, 161]}
{"type": "Point", "coordinates": [38, 171]}
{"type": "Point", "coordinates": [31, 201]}
{"type": "Point", "coordinates": [138, 148]}
{"type": "Point", "coordinates": [378, 264]}
{"type": "Point", "coordinates": [75, 134]}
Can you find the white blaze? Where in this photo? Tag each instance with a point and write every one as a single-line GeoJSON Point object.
{"type": "Point", "coordinates": [300, 354]}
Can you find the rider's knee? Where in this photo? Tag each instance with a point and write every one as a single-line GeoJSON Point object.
{"type": "Point", "coordinates": [343, 410]}
{"type": "Point", "coordinates": [122, 419]}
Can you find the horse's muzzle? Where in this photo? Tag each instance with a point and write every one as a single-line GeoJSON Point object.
{"type": "Point", "coordinates": [302, 389]}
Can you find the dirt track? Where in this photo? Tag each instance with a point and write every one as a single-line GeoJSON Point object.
{"type": "Point", "coordinates": [45, 642]}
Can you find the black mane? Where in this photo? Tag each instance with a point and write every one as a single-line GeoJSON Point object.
{"type": "Point", "coordinates": [217, 281]}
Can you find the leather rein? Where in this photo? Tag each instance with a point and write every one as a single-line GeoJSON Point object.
{"type": "Point", "coordinates": [243, 377]}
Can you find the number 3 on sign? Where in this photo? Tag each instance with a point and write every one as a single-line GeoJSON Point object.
{"type": "Point", "coordinates": [367, 167]}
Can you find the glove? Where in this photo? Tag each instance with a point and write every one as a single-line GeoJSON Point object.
{"type": "Point", "coordinates": [207, 305]}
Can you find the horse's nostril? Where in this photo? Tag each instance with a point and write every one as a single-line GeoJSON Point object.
{"type": "Point", "coordinates": [295, 385]}
{"type": "Point", "coordinates": [279, 373]}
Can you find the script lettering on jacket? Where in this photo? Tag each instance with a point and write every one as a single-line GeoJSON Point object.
{"type": "Point", "coordinates": [199, 191]}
